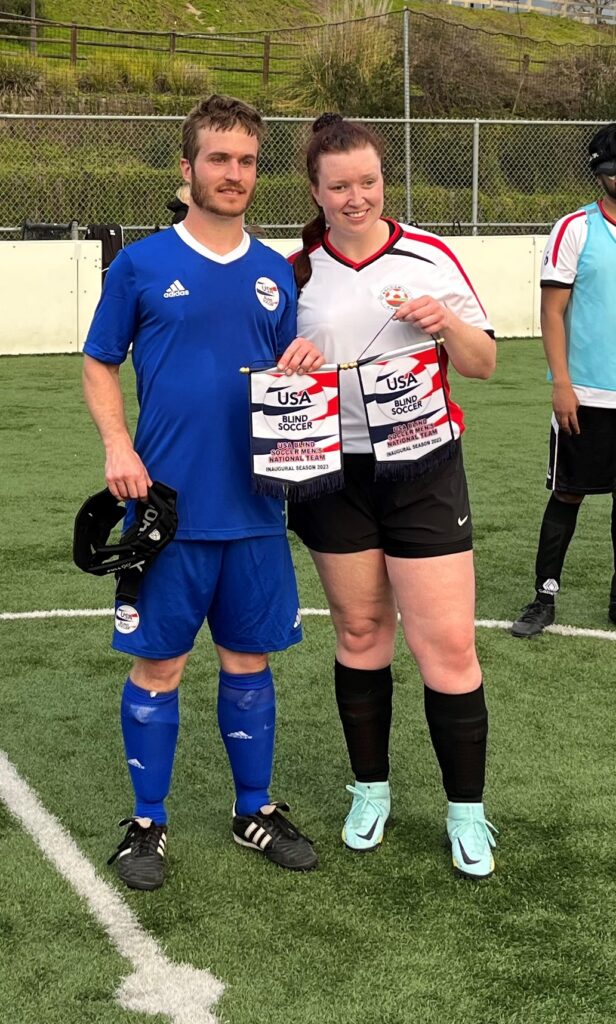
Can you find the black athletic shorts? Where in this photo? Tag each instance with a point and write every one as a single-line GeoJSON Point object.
{"type": "Point", "coordinates": [584, 463]}
{"type": "Point", "coordinates": [429, 516]}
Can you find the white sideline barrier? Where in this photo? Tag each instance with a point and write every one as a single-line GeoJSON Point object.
{"type": "Point", "coordinates": [49, 290]}
{"type": "Point", "coordinates": [48, 293]}
{"type": "Point", "coordinates": [505, 272]}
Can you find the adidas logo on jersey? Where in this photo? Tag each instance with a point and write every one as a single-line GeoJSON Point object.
{"type": "Point", "coordinates": [175, 290]}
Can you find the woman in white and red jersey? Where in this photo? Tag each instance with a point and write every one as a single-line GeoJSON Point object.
{"type": "Point", "coordinates": [388, 545]}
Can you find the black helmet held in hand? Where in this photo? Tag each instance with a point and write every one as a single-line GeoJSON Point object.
{"type": "Point", "coordinates": [155, 525]}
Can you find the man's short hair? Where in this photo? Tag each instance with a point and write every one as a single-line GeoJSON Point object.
{"type": "Point", "coordinates": [222, 113]}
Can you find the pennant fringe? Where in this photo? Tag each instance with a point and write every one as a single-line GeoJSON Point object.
{"type": "Point", "coordinates": [413, 469]}
{"type": "Point", "coordinates": [301, 491]}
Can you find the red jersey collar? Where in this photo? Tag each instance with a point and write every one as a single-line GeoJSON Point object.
{"type": "Point", "coordinates": [395, 232]}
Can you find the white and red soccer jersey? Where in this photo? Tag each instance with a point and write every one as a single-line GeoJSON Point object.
{"type": "Point", "coordinates": [559, 270]}
{"type": "Point", "coordinates": [345, 304]}
{"type": "Point", "coordinates": [564, 246]}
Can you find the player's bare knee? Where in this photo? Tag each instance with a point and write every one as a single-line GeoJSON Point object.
{"type": "Point", "coordinates": [363, 636]}
{"type": "Point", "coordinates": [448, 657]}
{"type": "Point", "coordinates": [160, 675]}
{"type": "Point", "coordinates": [239, 663]}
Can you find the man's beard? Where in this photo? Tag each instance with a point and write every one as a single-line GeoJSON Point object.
{"type": "Point", "coordinates": [206, 199]}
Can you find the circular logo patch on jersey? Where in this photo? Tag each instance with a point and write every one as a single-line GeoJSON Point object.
{"type": "Point", "coordinates": [267, 292]}
{"type": "Point", "coordinates": [126, 619]}
{"type": "Point", "coordinates": [393, 295]}
{"type": "Point", "coordinates": [400, 393]}
{"type": "Point", "coordinates": [295, 408]}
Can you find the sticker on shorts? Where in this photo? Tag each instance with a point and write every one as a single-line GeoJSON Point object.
{"type": "Point", "coordinates": [126, 619]}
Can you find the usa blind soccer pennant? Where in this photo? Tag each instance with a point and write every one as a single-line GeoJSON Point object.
{"type": "Point", "coordinates": [410, 426]}
{"type": "Point", "coordinates": [295, 433]}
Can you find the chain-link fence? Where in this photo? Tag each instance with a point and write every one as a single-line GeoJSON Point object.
{"type": "Point", "coordinates": [464, 176]}
{"type": "Point", "coordinates": [406, 62]}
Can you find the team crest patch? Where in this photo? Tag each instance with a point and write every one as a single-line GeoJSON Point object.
{"type": "Point", "coordinates": [126, 619]}
{"type": "Point", "coordinates": [267, 292]}
{"type": "Point", "coordinates": [393, 296]}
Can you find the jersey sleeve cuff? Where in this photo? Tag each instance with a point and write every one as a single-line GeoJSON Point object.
{"type": "Point", "coordinates": [103, 357]}
{"type": "Point", "coordinates": [556, 284]}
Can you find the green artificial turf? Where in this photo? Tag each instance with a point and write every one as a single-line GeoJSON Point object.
{"type": "Point", "coordinates": [387, 938]}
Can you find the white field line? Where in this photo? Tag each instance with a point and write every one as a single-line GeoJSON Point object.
{"type": "Point", "coordinates": [85, 613]}
{"type": "Point", "coordinates": [158, 986]}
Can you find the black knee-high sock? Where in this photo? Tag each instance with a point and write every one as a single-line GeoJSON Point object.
{"type": "Point", "coordinates": [613, 592]}
{"type": "Point", "coordinates": [364, 706]}
{"type": "Point", "coordinates": [557, 529]}
{"type": "Point", "coordinates": [458, 724]}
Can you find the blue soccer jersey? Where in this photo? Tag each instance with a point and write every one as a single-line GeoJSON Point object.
{"type": "Point", "coordinates": [193, 319]}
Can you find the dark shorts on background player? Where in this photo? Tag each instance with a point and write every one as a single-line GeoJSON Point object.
{"type": "Point", "coordinates": [584, 463]}
{"type": "Point", "coordinates": [427, 517]}
{"type": "Point", "coordinates": [244, 588]}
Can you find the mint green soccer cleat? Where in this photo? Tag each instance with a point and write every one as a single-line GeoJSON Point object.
{"type": "Point", "coordinates": [365, 822]}
{"type": "Point", "coordinates": [471, 840]}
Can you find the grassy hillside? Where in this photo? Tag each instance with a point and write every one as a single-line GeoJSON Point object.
{"type": "Point", "coordinates": [183, 15]}
{"type": "Point", "coordinates": [214, 15]}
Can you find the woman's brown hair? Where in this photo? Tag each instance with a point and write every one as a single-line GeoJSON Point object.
{"type": "Point", "coordinates": [331, 134]}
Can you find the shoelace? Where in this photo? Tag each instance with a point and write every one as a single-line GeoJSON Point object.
{"type": "Point", "coordinates": [281, 823]}
{"type": "Point", "coordinates": [530, 610]}
{"type": "Point", "coordinates": [143, 840]}
{"type": "Point", "coordinates": [367, 802]}
{"type": "Point", "coordinates": [482, 828]}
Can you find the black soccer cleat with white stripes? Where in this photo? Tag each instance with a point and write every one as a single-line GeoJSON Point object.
{"type": "Point", "coordinates": [270, 833]}
{"type": "Point", "coordinates": [140, 857]}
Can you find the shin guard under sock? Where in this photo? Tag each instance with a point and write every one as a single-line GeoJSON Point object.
{"type": "Point", "coordinates": [150, 723]}
{"type": "Point", "coordinates": [458, 724]}
{"type": "Point", "coordinates": [364, 698]}
{"type": "Point", "coordinates": [247, 718]}
{"type": "Point", "coordinates": [557, 529]}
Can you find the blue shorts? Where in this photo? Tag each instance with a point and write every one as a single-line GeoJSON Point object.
{"type": "Point", "coordinates": [245, 589]}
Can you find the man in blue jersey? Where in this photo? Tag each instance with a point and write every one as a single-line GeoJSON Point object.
{"type": "Point", "coordinates": [578, 323]}
{"type": "Point", "coordinates": [196, 302]}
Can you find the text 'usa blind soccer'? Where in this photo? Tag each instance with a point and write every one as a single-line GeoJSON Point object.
{"type": "Point", "coordinates": [295, 433]}
{"type": "Point", "coordinates": [407, 410]}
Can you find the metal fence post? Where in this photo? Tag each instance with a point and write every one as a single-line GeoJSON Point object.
{"type": "Point", "coordinates": [475, 179]}
{"type": "Point", "coordinates": [407, 113]}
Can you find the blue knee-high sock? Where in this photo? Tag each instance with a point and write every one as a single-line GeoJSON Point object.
{"type": "Point", "coordinates": [150, 729]}
{"type": "Point", "coordinates": [247, 718]}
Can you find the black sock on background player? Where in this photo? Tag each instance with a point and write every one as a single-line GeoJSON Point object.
{"type": "Point", "coordinates": [612, 608]}
{"type": "Point", "coordinates": [613, 598]}
{"type": "Point", "coordinates": [557, 529]}
{"type": "Point", "coordinates": [364, 699]}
